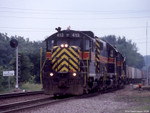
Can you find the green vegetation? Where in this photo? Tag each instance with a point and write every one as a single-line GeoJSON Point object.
{"type": "Point", "coordinates": [6, 90]}
{"type": "Point", "coordinates": [31, 87]}
{"type": "Point", "coordinates": [143, 103]}
{"type": "Point", "coordinates": [28, 62]}
{"type": "Point", "coordinates": [26, 86]}
{"type": "Point", "coordinates": [138, 101]}
{"type": "Point", "coordinates": [144, 108]}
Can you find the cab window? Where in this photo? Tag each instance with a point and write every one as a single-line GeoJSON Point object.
{"type": "Point", "coordinates": [87, 45]}
{"type": "Point", "coordinates": [50, 44]}
{"type": "Point", "coordinates": [75, 42]}
{"type": "Point", "coordinates": [59, 42]}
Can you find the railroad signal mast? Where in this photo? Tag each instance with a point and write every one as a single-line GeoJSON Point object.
{"type": "Point", "coordinates": [14, 44]}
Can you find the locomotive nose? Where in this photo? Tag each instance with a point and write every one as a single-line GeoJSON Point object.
{"type": "Point", "coordinates": [62, 84]}
{"type": "Point", "coordinates": [66, 58]}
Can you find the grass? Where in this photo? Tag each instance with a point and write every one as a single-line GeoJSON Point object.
{"type": "Point", "coordinates": [6, 90]}
{"type": "Point", "coordinates": [143, 108]}
{"type": "Point", "coordinates": [141, 103]}
{"type": "Point", "coordinates": [146, 107]}
{"type": "Point", "coordinates": [26, 86]}
{"type": "Point", "coordinates": [139, 99]}
{"type": "Point", "coordinates": [31, 87]}
{"type": "Point", "coordinates": [144, 103]}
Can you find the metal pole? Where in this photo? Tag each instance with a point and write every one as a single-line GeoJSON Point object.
{"type": "Point", "coordinates": [146, 52]}
{"type": "Point", "coordinates": [9, 82]}
{"type": "Point", "coordinates": [17, 68]}
{"type": "Point", "coordinates": [41, 65]}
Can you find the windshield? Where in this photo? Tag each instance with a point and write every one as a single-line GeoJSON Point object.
{"type": "Point", "coordinates": [59, 42]}
{"type": "Point", "coordinates": [71, 42]}
{"type": "Point", "coordinates": [75, 42]}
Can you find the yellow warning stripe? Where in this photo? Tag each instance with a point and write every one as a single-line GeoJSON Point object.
{"type": "Point", "coordinates": [64, 62]}
{"type": "Point", "coordinates": [73, 64]}
{"type": "Point", "coordinates": [75, 53]}
{"type": "Point", "coordinates": [97, 44]}
{"type": "Point", "coordinates": [64, 69]}
{"type": "Point", "coordinates": [54, 53]}
{"type": "Point", "coordinates": [97, 56]}
{"type": "Point", "coordinates": [74, 58]}
{"type": "Point", "coordinates": [98, 51]}
{"type": "Point", "coordinates": [65, 59]}
{"type": "Point", "coordinates": [72, 69]}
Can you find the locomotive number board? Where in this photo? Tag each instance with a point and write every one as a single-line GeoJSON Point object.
{"type": "Point", "coordinates": [77, 35]}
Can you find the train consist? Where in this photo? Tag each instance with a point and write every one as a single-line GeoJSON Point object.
{"type": "Point", "coordinates": [78, 62]}
{"type": "Point", "coordinates": [134, 75]}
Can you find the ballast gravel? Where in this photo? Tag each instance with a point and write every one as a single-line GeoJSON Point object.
{"type": "Point", "coordinates": [119, 101]}
{"type": "Point", "coordinates": [98, 104]}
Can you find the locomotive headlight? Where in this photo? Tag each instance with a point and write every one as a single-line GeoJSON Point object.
{"type": "Point", "coordinates": [74, 74]}
{"type": "Point", "coordinates": [66, 45]}
{"type": "Point", "coordinates": [51, 74]}
{"type": "Point", "coordinates": [62, 45]}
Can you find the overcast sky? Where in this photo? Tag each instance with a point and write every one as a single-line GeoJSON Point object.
{"type": "Point", "coordinates": [37, 19]}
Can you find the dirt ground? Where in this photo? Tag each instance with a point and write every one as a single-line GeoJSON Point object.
{"type": "Point", "coordinates": [138, 100]}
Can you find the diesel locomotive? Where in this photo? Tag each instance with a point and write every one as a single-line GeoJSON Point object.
{"type": "Point", "coordinates": [78, 62]}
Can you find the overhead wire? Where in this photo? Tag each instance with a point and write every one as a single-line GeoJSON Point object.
{"type": "Point", "coordinates": [12, 10]}
{"type": "Point", "coordinates": [68, 10]}
{"type": "Point", "coordinates": [30, 28]}
{"type": "Point", "coordinates": [139, 17]}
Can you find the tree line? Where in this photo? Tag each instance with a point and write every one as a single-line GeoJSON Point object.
{"type": "Point", "coordinates": [29, 57]}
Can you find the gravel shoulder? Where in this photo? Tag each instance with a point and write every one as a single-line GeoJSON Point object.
{"type": "Point", "coordinates": [127, 100]}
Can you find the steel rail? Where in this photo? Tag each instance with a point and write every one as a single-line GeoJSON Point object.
{"type": "Point", "coordinates": [14, 107]}
{"type": "Point", "coordinates": [18, 106]}
{"type": "Point", "coordinates": [10, 95]}
{"type": "Point", "coordinates": [5, 108]}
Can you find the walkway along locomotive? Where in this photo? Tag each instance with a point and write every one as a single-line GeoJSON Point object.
{"type": "Point", "coordinates": [78, 62]}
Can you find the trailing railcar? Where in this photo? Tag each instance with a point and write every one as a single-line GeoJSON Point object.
{"type": "Point", "coordinates": [78, 62]}
{"type": "Point", "coordinates": [134, 75]}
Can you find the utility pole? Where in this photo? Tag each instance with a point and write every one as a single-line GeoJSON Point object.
{"type": "Point", "coordinates": [146, 53]}
{"type": "Point", "coordinates": [41, 65]}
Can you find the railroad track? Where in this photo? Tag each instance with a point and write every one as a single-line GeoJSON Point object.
{"type": "Point", "coordinates": [11, 95]}
{"type": "Point", "coordinates": [23, 105]}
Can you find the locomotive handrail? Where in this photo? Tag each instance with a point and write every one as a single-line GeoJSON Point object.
{"type": "Point", "coordinates": [43, 66]}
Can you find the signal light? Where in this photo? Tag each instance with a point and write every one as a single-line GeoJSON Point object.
{"type": "Point", "coordinates": [13, 43]}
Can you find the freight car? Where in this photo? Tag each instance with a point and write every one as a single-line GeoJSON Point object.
{"type": "Point", "coordinates": [78, 62]}
{"type": "Point", "coordinates": [134, 75]}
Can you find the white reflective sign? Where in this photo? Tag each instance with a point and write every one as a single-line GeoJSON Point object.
{"type": "Point", "coordinates": [8, 73]}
